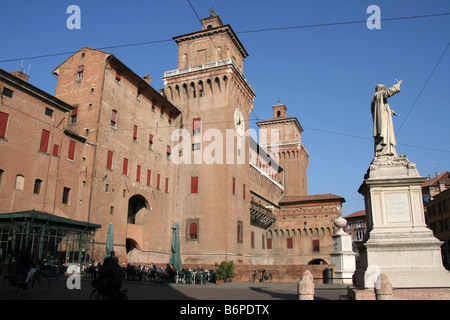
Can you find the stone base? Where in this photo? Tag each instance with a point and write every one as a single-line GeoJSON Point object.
{"type": "Point", "coordinates": [354, 293]}
{"type": "Point", "coordinates": [398, 242]}
{"type": "Point", "coordinates": [410, 259]}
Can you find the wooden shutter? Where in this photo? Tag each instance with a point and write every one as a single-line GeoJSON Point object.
{"type": "Point", "coordinates": [44, 140]}
{"type": "Point", "coordinates": [125, 166]}
{"type": "Point", "coordinates": [72, 145]}
{"type": "Point", "coordinates": [109, 161]}
{"type": "Point", "coordinates": [138, 173]}
{"type": "Point", "coordinates": [3, 123]}
{"type": "Point", "coordinates": [194, 184]}
{"type": "Point", "coordinates": [149, 177]}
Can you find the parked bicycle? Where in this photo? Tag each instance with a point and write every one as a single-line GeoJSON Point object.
{"type": "Point", "coordinates": [13, 282]}
{"type": "Point", "coordinates": [52, 271]}
{"type": "Point", "coordinates": [264, 276]}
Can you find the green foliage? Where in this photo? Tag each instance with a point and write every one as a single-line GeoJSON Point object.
{"type": "Point", "coordinates": [225, 270]}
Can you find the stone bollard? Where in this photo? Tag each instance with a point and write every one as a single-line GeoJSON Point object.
{"type": "Point", "coordinates": [305, 287]}
{"type": "Point", "coordinates": [383, 288]}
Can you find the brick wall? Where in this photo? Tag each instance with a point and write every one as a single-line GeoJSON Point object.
{"type": "Point", "coordinates": [281, 273]}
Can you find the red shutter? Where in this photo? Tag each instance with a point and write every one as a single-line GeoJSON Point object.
{"type": "Point", "coordinates": [194, 184]}
{"type": "Point", "coordinates": [80, 69]}
{"type": "Point", "coordinates": [138, 173]}
{"type": "Point", "coordinates": [3, 124]}
{"type": "Point", "coordinates": [150, 138]}
{"type": "Point", "coordinates": [234, 186]}
{"type": "Point", "coordinates": [72, 150]}
{"type": "Point", "coordinates": [109, 161]}
{"type": "Point", "coordinates": [193, 231]}
{"type": "Point", "coordinates": [196, 125]}
{"type": "Point", "coordinates": [74, 112]}
{"type": "Point", "coordinates": [269, 243]}
{"type": "Point", "coordinates": [315, 243]}
{"type": "Point", "coordinates": [44, 140]}
{"type": "Point", "coordinates": [135, 132]}
{"type": "Point", "coordinates": [167, 185]}
{"type": "Point", "coordinates": [118, 75]}
{"type": "Point", "coordinates": [289, 243]}
{"type": "Point", "coordinates": [125, 166]}
{"type": "Point", "coordinates": [114, 116]}
{"type": "Point", "coordinates": [169, 150]}
{"type": "Point", "coordinates": [158, 181]}
{"type": "Point", "coordinates": [56, 150]}
{"type": "Point", "coordinates": [243, 191]}
{"type": "Point", "coordinates": [149, 177]}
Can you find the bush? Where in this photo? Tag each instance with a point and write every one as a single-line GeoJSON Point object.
{"type": "Point", "coordinates": [225, 270]}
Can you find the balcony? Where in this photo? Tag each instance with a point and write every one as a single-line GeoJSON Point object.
{"type": "Point", "coordinates": [260, 216]}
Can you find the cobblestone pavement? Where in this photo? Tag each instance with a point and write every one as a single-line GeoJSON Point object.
{"type": "Point", "coordinates": [151, 291]}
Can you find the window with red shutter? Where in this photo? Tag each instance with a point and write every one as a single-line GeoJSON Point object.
{"type": "Point", "coordinates": [125, 166]}
{"type": "Point", "coordinates": [234, 185]}
{"type": "Point", "coordinates": [269, 243]}
{"type": "Point", "coordinates": [3, 124]}
{"type": "Point", "coordinates": [158, 181]}
{"type": "Point", "coordinates": [196, 126]}
{"type": "Point", "coordinates": [316, 246]}
{"type": "Point", "coordinates": [45, 137]}
{"type": "Point", "coordinates": [138, 173]}
{"type": "Point", "coordinates": [135, 132]}
{"type": "Point", "coordinates": [74, 115]}
{"type": "Point", "coordinates": [56, 150]}
{"type": "Point", "coordinates": [193, 231]}
{"type": "Point", "coordinates": [289, 243]}
{"type": "Point", "coordinates": [109, 161]}
{"type": "Point", "coordinates": [72, 145]}
{"type": "Point", "coordinates": [113, 118]}
{"type": "Point", "coordinates": [149, 177]}
{"type": "Point", "coordinates": [194, 184]}
{"type": "Point", "coordinates": [167, 185]}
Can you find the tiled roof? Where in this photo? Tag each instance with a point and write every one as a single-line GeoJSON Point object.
{"type": "Point", "coordinates": [361, 213]}
{"type": "Point", "coordinates": [434, 180]}
{"type": "Point", "coordinates": [314, 197]}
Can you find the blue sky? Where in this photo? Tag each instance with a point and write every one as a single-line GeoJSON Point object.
{"type": "Point", "coordinates": [325, 75]}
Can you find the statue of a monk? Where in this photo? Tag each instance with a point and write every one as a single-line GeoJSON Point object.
{"type": "Point", "coordinates": [383, 128]}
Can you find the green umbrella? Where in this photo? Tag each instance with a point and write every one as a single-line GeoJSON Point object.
{"type": "Point", "coordinates": [109, 241]}
{"type": "Point", "coordinates": [175, 258]}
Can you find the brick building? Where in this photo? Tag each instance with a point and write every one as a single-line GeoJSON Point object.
{"type": "Point", "coordinates": [184, 154]}
{"type": "Point", "coordinates": [40, 164]}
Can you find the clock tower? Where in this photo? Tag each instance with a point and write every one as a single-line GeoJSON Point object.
{"type": "Point", "coordinates": [213, 206]}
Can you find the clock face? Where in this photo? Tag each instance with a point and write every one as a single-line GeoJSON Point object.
{"type": "Point", "coordinates": [239, 121]}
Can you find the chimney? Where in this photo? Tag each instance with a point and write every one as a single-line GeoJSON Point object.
{"type": "Point", "coordinates": [148, 79]}
{"type": "Point", "coordinates": [21, 75]}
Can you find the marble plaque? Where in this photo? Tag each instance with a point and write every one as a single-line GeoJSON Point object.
{"type": "Point", "coordinates": [397, 207]}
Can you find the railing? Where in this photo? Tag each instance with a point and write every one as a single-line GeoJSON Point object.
{"type": "Point", "coordinates": [261, 216]}
{"type": "Point", "coordinates": [206, 66]}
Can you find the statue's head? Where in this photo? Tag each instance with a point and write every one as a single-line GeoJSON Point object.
{"type": "Point", "coordinates": [380, 87]}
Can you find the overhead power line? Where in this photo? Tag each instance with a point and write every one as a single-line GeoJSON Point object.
{"type": "Point", "coordinates": [239, 32]}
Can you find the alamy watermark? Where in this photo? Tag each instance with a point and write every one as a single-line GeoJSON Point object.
{"type": "Point", "coordinates": [74, 20]}
{"type": "Point", "coordinates": [374, 21]}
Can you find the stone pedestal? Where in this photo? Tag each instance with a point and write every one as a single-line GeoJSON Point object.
{"type": "Point", "coordinates": [343, 256]}
{"type": "Point", "coordinates": [398, 242]}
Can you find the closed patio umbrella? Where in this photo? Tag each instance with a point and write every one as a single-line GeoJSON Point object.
{"type": "Point", "coordinates": [109, 241]}
{"type": "Point", "coordinates": [175, 258]}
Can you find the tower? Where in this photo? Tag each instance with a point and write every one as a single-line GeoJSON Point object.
{"type": "Point", "coordinates": [281, 136]}
{"type": "Point", "coordinates": [212, 206]}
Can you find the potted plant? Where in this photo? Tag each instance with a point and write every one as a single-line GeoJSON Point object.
{"type": "Point", "coordinates": [230, 271]}
{"type": "Point", "coordinates": [220, 272]}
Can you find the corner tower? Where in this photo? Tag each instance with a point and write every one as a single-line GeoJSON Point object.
{"type": "Point", "coordinates": [213, 207]}
{"type": "Point", "coordinates": [289, 151]}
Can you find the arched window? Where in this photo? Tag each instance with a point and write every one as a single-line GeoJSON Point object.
{"type": "Point", "coordinates": [37, 186]}
{"type": "Point", "coordinates": [20, 181]}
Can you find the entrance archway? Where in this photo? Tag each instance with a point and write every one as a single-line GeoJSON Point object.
{"type": "Point", "coordinates": [137, 207]}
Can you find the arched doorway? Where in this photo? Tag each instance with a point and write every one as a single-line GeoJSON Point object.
{"type": "Point", "coordinates": [137, 221]}
{"type": "Point", "coordinates": [137, 208]}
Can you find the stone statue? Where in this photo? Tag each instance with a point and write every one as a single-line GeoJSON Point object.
{"type": "Point", "coordinates": [383, 128]}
